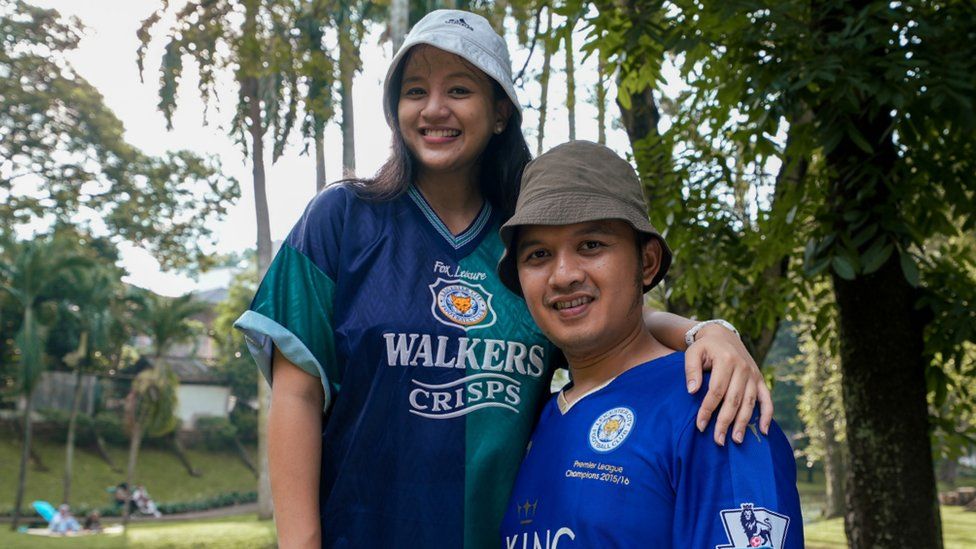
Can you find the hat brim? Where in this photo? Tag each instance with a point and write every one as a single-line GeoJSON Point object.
{"type": "Point", "coordinates": [451, 43]}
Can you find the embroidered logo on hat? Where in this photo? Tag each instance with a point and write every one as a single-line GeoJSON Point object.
{"type": "Point", "coordinates": [459, 22]}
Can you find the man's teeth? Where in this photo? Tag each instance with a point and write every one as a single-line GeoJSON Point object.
{"type": "Point", "coordinates": [442, 133]}
{"type": "Point", "coordinates": [574, 303]}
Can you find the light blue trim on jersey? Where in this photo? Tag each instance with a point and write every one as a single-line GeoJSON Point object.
{"type": "Point", "coordinates": [455, 241]}
{"type": "Point", "coordinates": [260, 333]}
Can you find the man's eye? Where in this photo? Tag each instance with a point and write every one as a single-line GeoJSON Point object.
{"type": "Point", "coordinates": [535, 254]}
{"type": "Point", "coordinates": [591, 245]}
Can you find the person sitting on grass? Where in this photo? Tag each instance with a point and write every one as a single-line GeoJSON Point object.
{"type": "Point", "coordinates": [63, 522]}
{"type": "Point", "coordinates": [93, 522]}
{"type": "Point", "coordinates": [616, 459]}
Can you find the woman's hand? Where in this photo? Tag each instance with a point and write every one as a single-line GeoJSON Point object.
{"type": "Point", "coordinates": [735, 384]}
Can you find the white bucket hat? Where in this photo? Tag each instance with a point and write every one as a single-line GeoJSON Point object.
{"type": "Point", "coordinates": [462, 33]}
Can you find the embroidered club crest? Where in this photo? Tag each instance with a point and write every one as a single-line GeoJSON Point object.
{"type": "Point", "coordinates": [611, 429]}
{"type": "Point", "coordinates": [751, 526]}
{"type": "Point", "coordinates": [461, 304]}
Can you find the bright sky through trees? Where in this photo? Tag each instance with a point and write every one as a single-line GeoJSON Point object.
{"type": "Point", "coordinates": [106, 57]}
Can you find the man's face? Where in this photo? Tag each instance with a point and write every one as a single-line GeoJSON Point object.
{"type": "Point", "coordinates": [583, 282]}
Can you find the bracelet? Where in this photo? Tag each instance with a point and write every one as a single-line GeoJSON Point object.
{"type": "Point", "coordinates": [690, 334]}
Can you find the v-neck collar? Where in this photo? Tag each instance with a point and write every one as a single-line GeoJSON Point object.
{"type": "Point", "coordinates": [455, 241]}
{"type": "Point", "coordinates": [565, 405]}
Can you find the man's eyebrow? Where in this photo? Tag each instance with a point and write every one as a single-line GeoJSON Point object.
{"type": "Point", "coordinates": [523, 244]}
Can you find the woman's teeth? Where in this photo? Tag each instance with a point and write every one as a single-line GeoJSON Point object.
{"type": "Point", "coordinates": [574, 303]}
{"type": "Point", "coordinates": [442, 133]}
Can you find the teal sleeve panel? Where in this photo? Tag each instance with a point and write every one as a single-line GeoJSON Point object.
{"type": "Point", "coordinates": [292, 311]}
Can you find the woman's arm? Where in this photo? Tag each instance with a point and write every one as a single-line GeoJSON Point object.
{"type": "Point", "coordinates": [735, 375]}
{"type": "Point", "coordinates": [295, 454]}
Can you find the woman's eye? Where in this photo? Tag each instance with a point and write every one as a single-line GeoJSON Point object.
{"type": "Point", "coordinates": [413, 91]}
{"type": "Point", "coordinates": [457, 90]}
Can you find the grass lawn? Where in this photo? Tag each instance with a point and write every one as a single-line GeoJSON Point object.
{"type": "Point", "coordinates": [161, 472]}
{"type": "Point", "coordinates": [958, 531]}
{"type": "Point", "coordinates": [237, 532]}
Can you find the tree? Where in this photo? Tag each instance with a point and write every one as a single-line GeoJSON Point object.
{"type": "Point", "coordinates": [261, 55]}
{"type": "Point", "coordinates": [97, 313]}
{"type": "Point", "coordinates": [863, 89]}
{"type": "Point", "coordinates": [151, 403]}
{"type": "Point", "coordinates": [150, 409]}
{"type": "Point", "coordinates": [29, 271]}
{"type": "Point", "coordinates": [548, 48]}
{"type": "Point", "coordinates": [60, 139]}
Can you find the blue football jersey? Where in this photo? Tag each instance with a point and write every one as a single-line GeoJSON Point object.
{"type": "Point", "coordinates": [433, 371]}
{"type": "Point", "coordinates": [625, 466]}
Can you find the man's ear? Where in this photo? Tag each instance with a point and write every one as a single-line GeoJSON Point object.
{"type": "Point", "coordinates": [651, 253]}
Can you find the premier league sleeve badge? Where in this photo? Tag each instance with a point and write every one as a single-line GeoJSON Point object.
{"type": "Point", "coordinates": [751, 526]}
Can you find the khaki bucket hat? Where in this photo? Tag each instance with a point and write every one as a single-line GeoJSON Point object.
{"type": "Point", "coordinates": [576, 182]}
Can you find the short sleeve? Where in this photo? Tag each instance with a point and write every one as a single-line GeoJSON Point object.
{"type": "Point", "coordinates": [293, 307]}
{"type": "Point", "coordinates": [738, 495]}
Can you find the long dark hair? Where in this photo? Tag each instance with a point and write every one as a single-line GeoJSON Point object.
{"type": "Point", "coordinates": [500, 167]}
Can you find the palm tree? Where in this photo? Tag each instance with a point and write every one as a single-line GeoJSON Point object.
{"type": "Point", "coordinates": [28, 273]}
{"type": "Point", "coordinates": [98, 311]}
{"type": "Point", "coordinates": [151, 403]}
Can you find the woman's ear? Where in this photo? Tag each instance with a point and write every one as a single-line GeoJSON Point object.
{"type": "Point", "coordinates": [503, 112]}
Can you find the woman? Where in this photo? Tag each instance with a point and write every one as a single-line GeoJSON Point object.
{"type": "Point", "coordinates": [383, 308]}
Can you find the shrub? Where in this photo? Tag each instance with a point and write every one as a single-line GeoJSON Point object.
{"type": "Point", "coordinates": [218, 433]}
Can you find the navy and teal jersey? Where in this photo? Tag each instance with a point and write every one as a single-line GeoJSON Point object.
{"type": "Point", "coordinates": [625, 466]}
{"type": "Point", "coordinates": [433, 371]}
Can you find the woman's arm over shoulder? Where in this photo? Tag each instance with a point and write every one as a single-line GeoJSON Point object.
{"type": "Point", "coordinates": [736, 384]}
{"type": "Point", "coordinates": [295, 453]}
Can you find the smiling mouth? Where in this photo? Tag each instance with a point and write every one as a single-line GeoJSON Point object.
{"type": "Point", "coordinates": [560, 305]}
{"type": "Point", "coordinates": [440, 133]}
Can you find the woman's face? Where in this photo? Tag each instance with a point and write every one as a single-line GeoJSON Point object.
{"type": "Point", "coordinates": [447, 111]}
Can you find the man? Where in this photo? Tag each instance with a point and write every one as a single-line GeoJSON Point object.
{"type": "Point", "coordinates": [616, 459]}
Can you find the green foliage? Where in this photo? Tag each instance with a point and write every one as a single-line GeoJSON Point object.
{"type": "Point", "coordinates": [236, 367]}
{"type": "Point", "coordinates": [152, 402]}
{"type": "Point", "coordinates": [218, 433]}
{"type": "Point", "coordinates": [30, 273]}
{"type": "Point", "coordinates": [59, 137]}
{"type": "Point", "coordinates": [867, 111]}
{"type": "Point", "coordinates": [166, 320]}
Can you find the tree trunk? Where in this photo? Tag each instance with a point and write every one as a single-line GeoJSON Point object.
{"type": "Point", "coordinates": [346, 71]}
{"type": "Point", "coordinates": [949, 471]}
{"type": "Point", "coordinates": [319, 156]}
{"type": "Point", "coordinates": [891, 495]}
{"type": "Point", "coordinates": [399, 21]}
{"type": "Point", "coordinates": [835, 471]}
{"type": "Point", "coordinates": [570, 79]}
{"type": "Point", "coordinates": [34, 457]}
{"type": "Point", "coordinates": [180, 451]}
{"type": "Point", "coordinates": [242, 453]}
{"type": "Point", "coordinates": [24, 456]}
{"type": "Point", "coordinates": [544, 83]}
{"type": "Point", "coordinates": [265, 504]}
{"type": "Point", "coordinates": [69, 445]}
{"type": "Point", "coordinates": [102, 451]}
{"type": "Point", "coordinates": [130, 476]}
{"type": "Point", "coordinates": [601, 102]}
{"type": "Point", "coordinates": [256, 129]}
{"type": "Point", "coordinates": [497, 16]}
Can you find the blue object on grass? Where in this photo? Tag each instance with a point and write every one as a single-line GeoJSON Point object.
{"type": "Point", "coordinates": [45, 509]}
